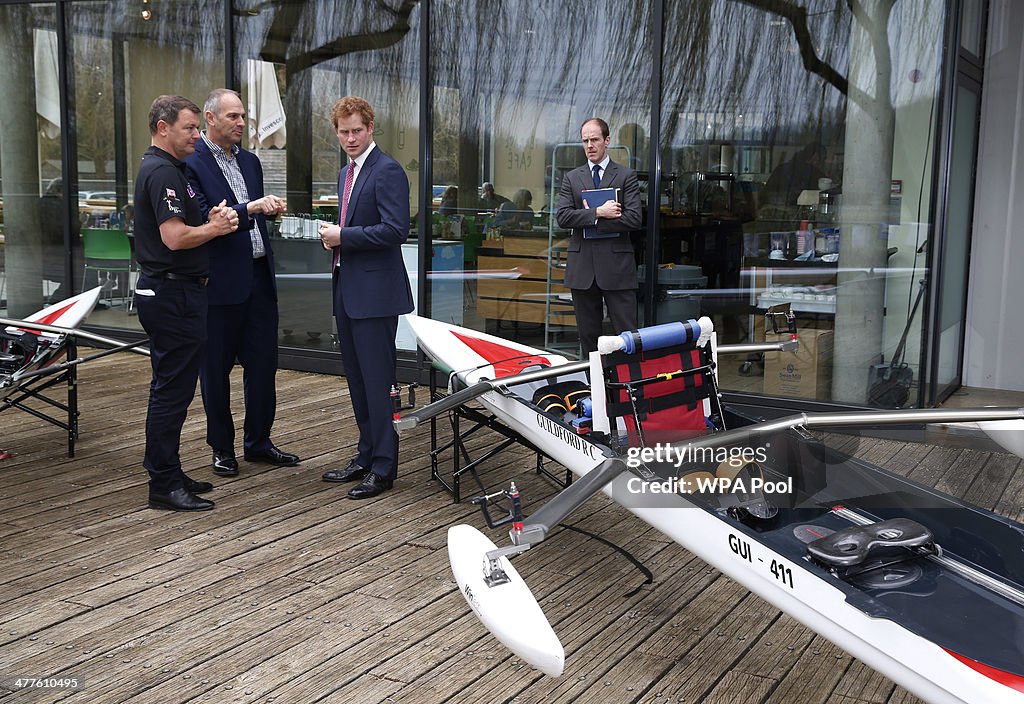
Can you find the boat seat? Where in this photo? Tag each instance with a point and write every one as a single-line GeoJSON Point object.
{"type": "Point", "coordinates": [659, 383]}
{"type": "Point", "coordinates": [751, 503]}
{"type": "Point", "coordinates": [857, 544]}
{"type": "Point", "coordinates": [562, 397]}
{"type": "Point", "coordinates": [17, 349]}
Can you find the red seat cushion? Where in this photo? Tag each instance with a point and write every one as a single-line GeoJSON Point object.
{"type": "Point", "coordinates": [669, 410]}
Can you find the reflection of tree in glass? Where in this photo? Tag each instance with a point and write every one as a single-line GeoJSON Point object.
{"type": "Point", "coordinates": [95, 107]}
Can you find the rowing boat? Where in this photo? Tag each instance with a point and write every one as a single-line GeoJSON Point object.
{"type": "Point", "coordinates": [25, 347]}
{"type": "Point", "coordinates": [40, 352]}
{"type": "Point", "coordinates": [921, 586]}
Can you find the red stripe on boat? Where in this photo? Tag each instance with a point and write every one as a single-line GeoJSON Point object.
{"type": "Point", "coordinates": [51, 318]}
{"type": "Point", "coordinates": [1005, 678]}
{"type": "Point", "coordinates": [505, 360]}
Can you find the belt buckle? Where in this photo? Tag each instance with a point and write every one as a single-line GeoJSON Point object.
{"type": "Point", "coordinates": [203, 280]}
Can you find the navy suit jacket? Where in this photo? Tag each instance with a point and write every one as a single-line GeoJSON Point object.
{"type": "Point", "coordinates": [230, 255]}
{"type": "Point", "coordinates": [371, 275]}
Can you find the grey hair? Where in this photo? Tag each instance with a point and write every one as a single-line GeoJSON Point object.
{"type": "Point", "coordinates": [214, 98]}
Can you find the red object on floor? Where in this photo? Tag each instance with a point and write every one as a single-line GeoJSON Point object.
{"type": "Point", "coordinates": [4, 454]}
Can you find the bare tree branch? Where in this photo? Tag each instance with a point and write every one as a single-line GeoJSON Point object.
{"type": "Point", "coordinates": [369, 41]}
{"type": "Point", "coordinates": [796, 15]}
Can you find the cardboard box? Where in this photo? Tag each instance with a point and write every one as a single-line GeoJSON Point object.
{"type": "Point", "coordinates": [807, 373]}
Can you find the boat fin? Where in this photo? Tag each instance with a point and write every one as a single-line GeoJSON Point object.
{"type": "Point", "coordinates": [501, 599]}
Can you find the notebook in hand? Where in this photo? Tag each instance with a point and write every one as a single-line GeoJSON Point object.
{"type": "Point", "coordinates": [595, 198]}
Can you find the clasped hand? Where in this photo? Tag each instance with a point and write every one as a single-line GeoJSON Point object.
{"type": "Point", "coordinates": [223, 218]}
{"type": "Point", "coordinates": [609, 209]}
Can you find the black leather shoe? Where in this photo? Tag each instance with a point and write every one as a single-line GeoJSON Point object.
{"type": "Point", "coordinates": [179, 500]}
{"type": "Point", "coordinates": [373, 485]}
{"type": "Point", "coordinates": [353, 472]}
{"type": "Point", "coordinates": [225, 464]}
{"type": "Point", "coordinates": [197, 487]}
{"type": "Point", "coordinates": [273, 456]}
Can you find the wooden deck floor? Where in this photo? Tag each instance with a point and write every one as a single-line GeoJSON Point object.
{"type": "Point", "coordinates": [289, 592]}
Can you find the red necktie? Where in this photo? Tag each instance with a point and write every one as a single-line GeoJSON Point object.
{"type": "Point", "coordinates": [350, 176]}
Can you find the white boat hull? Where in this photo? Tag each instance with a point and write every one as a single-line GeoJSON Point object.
{"type": "Point", "coordinates": [918, 664]}
{"type": "Point", "coordinates": [68, 313]}
{"type": "Point", "coordinates": [1008, 434]}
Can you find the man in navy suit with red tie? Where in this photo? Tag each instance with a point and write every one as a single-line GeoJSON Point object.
{"type": "Point", "coordinates": [371, 289]}
{"type": "Point", "coordinates": [242, 318]}
{"type": "Point", "coordinates": [600, 262]}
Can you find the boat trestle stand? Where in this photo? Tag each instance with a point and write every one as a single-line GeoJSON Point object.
{"type": "Point", "coordinates": [462, 463]}
{"type": "Point", "coordinates": [30, 387]}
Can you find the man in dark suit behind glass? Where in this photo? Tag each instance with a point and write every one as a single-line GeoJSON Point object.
{"type": "Point", "coordinates": [242, 319]}
{"type": "Point", "coordinates": [600, 264]}
{"type": "Point", "coordinates": [371, 289]}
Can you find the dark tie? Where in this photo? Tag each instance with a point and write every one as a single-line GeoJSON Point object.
{"type": "Point", "coordinates": [349, 178]}
{"type": "Point", "coordinates": [590, 232]}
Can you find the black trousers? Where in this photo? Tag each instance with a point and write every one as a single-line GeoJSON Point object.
{"type": "Point", "coordinates": [245, 331]}
{"type": "Point", "coordinates": [587, 303]}
{"type": "Point", "coordinates": [173, 313]}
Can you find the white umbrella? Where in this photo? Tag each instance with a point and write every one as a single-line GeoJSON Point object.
{"type": "Point", "coordinates": [47, 82]}
{"type": "Point", "coordinates": [266, 113]}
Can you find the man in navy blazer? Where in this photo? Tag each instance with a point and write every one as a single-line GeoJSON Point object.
{"type": "Point", "coordinates": [600, 262]}
{"type": "Point", "coordinates": [371, 289]}
{"type": "Point", "coordinates": [242, 318]}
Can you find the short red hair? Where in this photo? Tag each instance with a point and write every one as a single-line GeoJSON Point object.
{"type": "Point", "coordinates": [352, 105]}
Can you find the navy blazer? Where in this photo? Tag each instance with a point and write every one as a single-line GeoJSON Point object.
{"type": "Point", "coordinates": [607, 261]}
{"type": "Point", "coordinates": [371, 272]}
{"type": "Point", "coordinates": [230, 281]}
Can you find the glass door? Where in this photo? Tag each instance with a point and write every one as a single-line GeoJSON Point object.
{"type": "Point", "coordinates": [950, 287]}
{"type": "Point", "coordinates": [952, 243]}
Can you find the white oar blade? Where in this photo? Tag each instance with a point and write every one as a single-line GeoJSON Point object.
{"type": "Point", "coordinates": [509, 610]}
{"type": "Point", "coordinates": [1008, 434]}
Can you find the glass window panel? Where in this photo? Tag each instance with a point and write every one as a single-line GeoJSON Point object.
{"type": "Point", "coordinates": [296, 60]}
{"type": "Point", "coordinates": [512, 84]}
{"type": "Point", "coordinates": [796, 164]}
{"type": "Point", "coordinates": [972, 27]}
{"type": "Point", "coordinates": [32, 246]}
{"type": "Point", "coordinates": [956, 249]}
{"type": "Point", "coordinates": [120, 56]}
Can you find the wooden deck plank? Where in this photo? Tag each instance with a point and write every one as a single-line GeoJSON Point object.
{"type": "Point", "coordinates": [997, 471]}
{"type": "Point", "coordinates": [965, 471]}
{"type": "Point", "coordinates": [288, 591]}
{"type": "Point", "coordinates": [933, 466]}
{"type": "Point", "coordinates": [815, 676]}
{"type": "Point", "coordinates": [718, 650]}
{"type": "Point", "coordinates": [861, 683]}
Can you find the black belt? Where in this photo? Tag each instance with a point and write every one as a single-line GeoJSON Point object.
{"type": "Point", "coordinates": [201, 280]}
